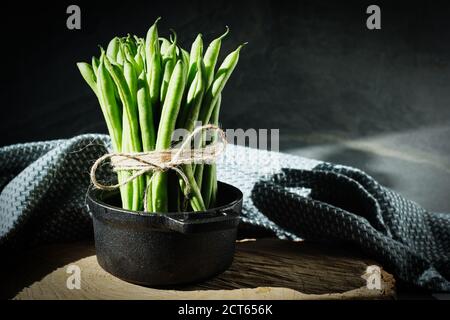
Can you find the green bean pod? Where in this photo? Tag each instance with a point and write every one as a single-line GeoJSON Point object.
{"type": "Point", "coordinates": [127, 101]}
{"type": "Point", "coordinates": [132, 82]}
{"type": "Point", "coordinates": [127, 191]}
{"type": "Point", "coordinates": [166, 127]}
{"type": "Point", "coordinates": [196, 200]}
{"type": "Point", "coordinates": [211, 55]}
{"type": "Point", "coordinates": [184, 55]}
{"type": "Point", "coordinates": [154, 75]}
{"type": "Point", "coordinates": [171, 107]}
{"type": "Point", "coordinates": [145, 115]}
{"type": "Point", "coordinates": [194, 100]}
{"type": "Point", "coordinates": [134, 186]}
{"type": "Point", "coordinates": [168, 69]}
{"type": "Point", "coordinates": [164, 46]}
{"type": "Point", "coordinates": [88, 75]}
{"type": "Point", "coordinates": [113, 49]}
{"type": "Point", "coordinates": [106, 88]}
{"type": "Point", "coordinates": [171, 52]}
{"type": "Point", "coordinates": [120, 58]}
{"type": "Point", "coordinates": [95, 63]}
{"type": "Point", "coordinates": [198, 175]}
{"type": "Point", "coordinates": [146, 124]}
{"type": "Point", "coordinates": [154, 67]}
{"type": "Point", "coordinates": [196, 52]}
{"type": "Point", "coordinates": [130, 58]}
{"type": "Point", "coordinates": [220, 79]}
{"type": "Point", "coordinates": [209, 182]}
{"type": "Point", "coordinates": [151, 41]}
{"type": "Point", "coordinates": [130, 138]}
{"type": "Point", "coordinates": [187, 119]}
{"type": "Point", "coordinates": [131, 43]}
{"type": "Point", "coordinates": [140, 63]}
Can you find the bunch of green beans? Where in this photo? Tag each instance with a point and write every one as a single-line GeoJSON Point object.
{"type": "Point", "coordinates": [147, 88]}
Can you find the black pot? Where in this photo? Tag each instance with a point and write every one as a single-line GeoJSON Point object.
{"type": "Point", "coordinates": [165, 249]}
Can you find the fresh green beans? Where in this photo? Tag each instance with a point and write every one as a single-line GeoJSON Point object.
{"type": "Point", "coordinates": [209, 182]}
{"type": "Point", "coordinates": [212, 96]}
{"type": "Point", "coordinates": [131, 80]}
{"type": "Point", "coordinates": [153, 58]}
{"type": "Point", "coordinates": [105, 88]}
{"type": "Point", "coordinates": [211, 55]}
{"type": "Point", "coordinates": [140, 58]}
{"type": "Point", "coordinates": [151, 41]}
{"type": "Point", "coordinates": [154, 75]}
{"type": "Point", "coordinates": [95, 65]}
{"type": "Point", "coordinates": [220, 79]}
{"type": "Point", "coordinates": [147, 88]}
{"type": "Point", "coordinates": [168, 69]}
{"type": "Point", "coordinates": [88, 75]}
{"type": "Point", "coordinates": [109, 106]}
{"type": "Point", "coordinates": [145, 115]}
{"type": "Point", "coordinates": [135, 141]}
{"type": "Point", "coordinates": [193, 100]}
{"type": "Point", "coordinates": [146, 122]}
{"type": "Point", "coordinates": [194, 58]}
{"type": "Point", "coordinates": [113, 49]}
{"type": "Point", "coordinates": [127, 101]}
{"type": "Point", "coordinates": [168, 61]}
{"type": "Point", "coordinates": [168, 119]}
{"type": "Point", "coordinates": [196, 200]}
{"type": "Point", "coordinates": [184, 55]}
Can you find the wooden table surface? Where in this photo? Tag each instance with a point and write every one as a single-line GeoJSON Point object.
{"type": "Point", "coordinates": [262, 269]}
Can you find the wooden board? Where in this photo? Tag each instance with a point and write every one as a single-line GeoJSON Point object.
{"type": "Point", "coordinates": [262, 269]}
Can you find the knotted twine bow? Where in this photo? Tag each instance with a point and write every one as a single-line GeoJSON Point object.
{"type": "Point", "coordinates": [160, 161]}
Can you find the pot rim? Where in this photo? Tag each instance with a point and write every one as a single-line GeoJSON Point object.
{"type": "Point", "coordinates": [93, 192]}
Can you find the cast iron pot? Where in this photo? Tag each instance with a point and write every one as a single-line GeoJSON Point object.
{"type": "Point", "coordinates": [165, 249]}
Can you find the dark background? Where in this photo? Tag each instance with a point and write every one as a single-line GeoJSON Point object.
{"type": "Point", "coordinates": [378, 100]}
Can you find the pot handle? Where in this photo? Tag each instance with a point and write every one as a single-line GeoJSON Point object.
{"type": "Point", "coordinates": [203, 222]}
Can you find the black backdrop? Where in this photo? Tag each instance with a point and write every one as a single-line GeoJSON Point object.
{"type": "Point", "coordinates": [310, 66]}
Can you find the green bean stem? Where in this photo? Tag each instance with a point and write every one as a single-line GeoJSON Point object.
{"type": "Point", "coordinates": [196, 200]}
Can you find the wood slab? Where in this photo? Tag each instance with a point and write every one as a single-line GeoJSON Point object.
{"type": "Point", "coordinates": [262, 269]}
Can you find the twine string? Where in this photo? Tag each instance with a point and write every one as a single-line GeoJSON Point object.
{"type": "Point", "coordinates": [141, 163]}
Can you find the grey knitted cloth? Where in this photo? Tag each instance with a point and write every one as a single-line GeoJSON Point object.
{"type": "Point", "coordinates": [43, 187]}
